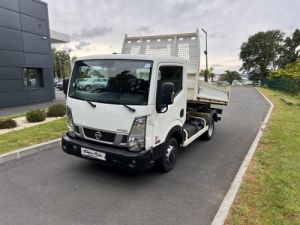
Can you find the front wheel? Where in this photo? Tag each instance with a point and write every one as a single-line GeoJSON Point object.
{"type": "Point", "coordinates": [167, 162]}
{"type": "Point", "coordinates": [210, 132]}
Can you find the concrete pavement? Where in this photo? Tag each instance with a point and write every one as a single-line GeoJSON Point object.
{"type": "Point", "coordinates": [51, 187]}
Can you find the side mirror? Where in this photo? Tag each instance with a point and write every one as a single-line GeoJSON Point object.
{"type": "Point", "coordinates": [65, 85]}
{"type": "Point", "coordinates": [167, 93]}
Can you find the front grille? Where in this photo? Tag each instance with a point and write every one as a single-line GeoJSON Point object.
{"type": "Point", "coordinates": [124, 139]}
{"type": "Point", "coordinates": [105, 136]}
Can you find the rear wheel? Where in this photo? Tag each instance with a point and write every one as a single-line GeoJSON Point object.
{"type": "Point", "coordinates": [210, 132]}
{"type": "Point", "coordinates": [167, 162]}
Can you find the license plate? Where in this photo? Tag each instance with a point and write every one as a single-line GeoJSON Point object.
{"type": "Point", "coordinates": [93, 154]}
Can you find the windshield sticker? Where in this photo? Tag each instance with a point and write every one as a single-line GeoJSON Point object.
{"type": "Point", "coordinates": [147, 66]}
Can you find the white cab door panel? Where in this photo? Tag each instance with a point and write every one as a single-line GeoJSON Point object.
{"type": "Point", "coordinates": [176, 113]}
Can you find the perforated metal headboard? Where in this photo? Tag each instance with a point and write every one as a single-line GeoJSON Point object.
{"type": "Point", "coordinates": [186, 46]}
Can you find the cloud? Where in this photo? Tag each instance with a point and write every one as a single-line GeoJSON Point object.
{"type": "Point", "coordinates": [184, 7]}
{"type": "Point", "coordinates": [92, 32]}
{"type": "Point", "coordinates": [229, 22]}
{"type": "Point", "coordinates": [145, 29]}
{"type": "Point", "coordinates": [219, 67]}
{"type": "Point", "coordinates": [216, 35]}
{"type": "Point", "coordinates": [82, 45]}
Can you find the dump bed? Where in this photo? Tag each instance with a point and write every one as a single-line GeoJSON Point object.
{"type": "Point", "coordinates": [186, 46]}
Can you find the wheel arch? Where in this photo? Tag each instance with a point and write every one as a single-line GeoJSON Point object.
{"type": "Point", "coordinates": [177, 133]}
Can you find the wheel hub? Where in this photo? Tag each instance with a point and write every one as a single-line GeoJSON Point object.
{"type": "Point", "coordinates": [170, 155]}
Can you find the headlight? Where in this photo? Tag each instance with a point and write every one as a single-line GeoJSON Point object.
{"type": "Point", "coordinates": [70, 123]}
{"type": "Point", "coordinates": [136, 140]}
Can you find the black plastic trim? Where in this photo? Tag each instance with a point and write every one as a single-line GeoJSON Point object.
{"type": "Point", "coordinates": [115, 156]}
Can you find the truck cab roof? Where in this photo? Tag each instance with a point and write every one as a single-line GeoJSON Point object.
{"type": "Point", "coordinates": [165, 59]}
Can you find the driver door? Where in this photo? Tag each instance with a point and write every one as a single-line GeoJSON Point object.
{"type": "Point", "coordinates": [175, 114]}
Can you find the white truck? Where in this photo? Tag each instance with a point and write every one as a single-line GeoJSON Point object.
{"type": "Point", "coordinates": [152, 106]}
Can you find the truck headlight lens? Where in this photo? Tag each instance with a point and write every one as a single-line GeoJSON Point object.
{"type": "Point", "coordinates": [136, 140]}
{"type": "Point", "coordinates": [70, 123]}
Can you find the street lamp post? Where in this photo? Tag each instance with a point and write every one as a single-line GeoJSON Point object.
{"type": "Point", "coordinates": [205, 52]}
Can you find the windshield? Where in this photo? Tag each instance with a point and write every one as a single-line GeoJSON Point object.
{"type": "Point", "coordinates": [111, 81]}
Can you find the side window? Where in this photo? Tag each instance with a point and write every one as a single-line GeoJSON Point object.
{"type": "Point", "coordinates": [33, 78]}
{"type": "Point", "coordinates": [171, 74]}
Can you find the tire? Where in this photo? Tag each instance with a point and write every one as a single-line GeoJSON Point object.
{"type": "Point", "coordinates": [210, 132]}
{"type": "Point", "coordinates": [167, 162]}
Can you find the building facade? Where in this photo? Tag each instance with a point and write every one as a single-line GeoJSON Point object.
{"type": "Point", "coordinates": [26, 75]}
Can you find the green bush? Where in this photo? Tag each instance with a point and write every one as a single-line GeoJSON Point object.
{"type": "Point", "coordinates": [36, 116]}
{"type": "Point", "coordinates": [58, 110]}
{"type": "Point", "coordinates": [7, 124]}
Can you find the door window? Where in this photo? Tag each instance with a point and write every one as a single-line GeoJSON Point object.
{"type": "Point", "coordinates": [171, 74]}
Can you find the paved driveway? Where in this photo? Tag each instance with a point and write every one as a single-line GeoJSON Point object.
{"type": "Point", "coordinates": [54, 188]}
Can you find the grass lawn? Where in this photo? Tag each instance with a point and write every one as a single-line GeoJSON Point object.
{"type": "Point", "coordinates": [33, 135]}
{"type": "Point", "coordinates": [270, 192]}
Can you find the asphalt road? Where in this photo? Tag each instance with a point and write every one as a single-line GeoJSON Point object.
{"type": "Point", "coordinates": [54, 188]}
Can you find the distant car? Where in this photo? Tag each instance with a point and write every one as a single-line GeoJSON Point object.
{"type": "Point", "coordinates": [92, 83]}
{"type": "Point", "coordinates": [59, 85]}
{"type": "Point", "coordinates": [55, 81]}
{"type": "Point", "coordinates": [237, 83]}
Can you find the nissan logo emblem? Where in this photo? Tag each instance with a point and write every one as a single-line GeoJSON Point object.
{"type": "Point", "coordinates": [98, 135]}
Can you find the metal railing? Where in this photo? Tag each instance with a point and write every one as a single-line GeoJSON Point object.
{"type": "Point", "coordinates": [287, 85]}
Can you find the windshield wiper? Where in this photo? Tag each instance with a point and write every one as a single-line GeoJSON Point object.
{"type": "Point", "coordinates": [91, 104]}
{"type": "Point", "coordinates": [128, 107]}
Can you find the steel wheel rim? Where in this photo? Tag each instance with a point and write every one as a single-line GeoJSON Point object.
{"type": "Point", "coordinates": [170, 154]}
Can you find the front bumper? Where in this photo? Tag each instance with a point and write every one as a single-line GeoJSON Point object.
{"type": "Point", "coordinates": [118, 157]}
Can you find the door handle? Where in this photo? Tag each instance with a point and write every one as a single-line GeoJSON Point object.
{"type": "Point", "coordinates": [181, 113]}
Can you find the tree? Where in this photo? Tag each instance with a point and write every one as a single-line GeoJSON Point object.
{"type": "Point", "coordinates": [230, 76]}
{"type": "Point", "coordinates": [74, 58]}
{"type": "Point", "coordinates": [210, 74]}
{"type": "Point", "coordinates": [291, 71]}
{"type": "Point", "coordinates": [61, 63]}
{"type": "Point", "coordinates": [290, 52]}
{"type": "Point", "coordinates": [260, 53]}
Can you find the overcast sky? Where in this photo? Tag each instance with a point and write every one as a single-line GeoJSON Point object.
{"type": "Point", "coordinates": [98, 26]}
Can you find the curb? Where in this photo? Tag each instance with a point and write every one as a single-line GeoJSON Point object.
{"type": "Point", "coordinates": [226, 204]}
{"type": "Point", "coordinates": [23, 152]}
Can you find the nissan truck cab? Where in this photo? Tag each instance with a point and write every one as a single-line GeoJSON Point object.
{"type": "Point", "coordinates": [141, 117]}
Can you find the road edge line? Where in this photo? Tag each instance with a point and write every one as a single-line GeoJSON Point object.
{"type": "Point", "coordinates": [228, 200]}
{"type": "Point", "coordinates": [23, 152]}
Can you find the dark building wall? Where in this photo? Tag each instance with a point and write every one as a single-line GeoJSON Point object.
{"type": "Point", "coordinates": [24, 43]}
